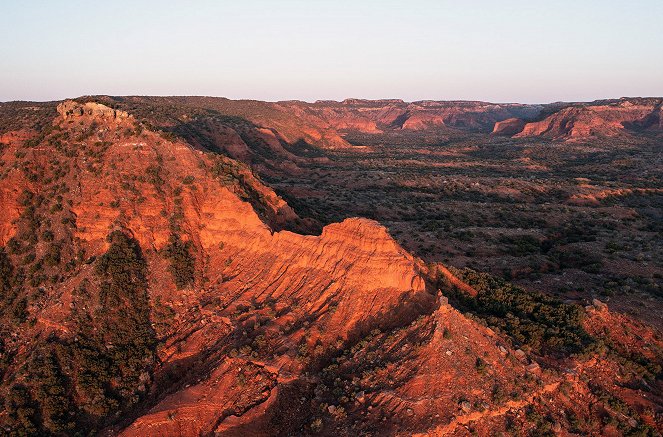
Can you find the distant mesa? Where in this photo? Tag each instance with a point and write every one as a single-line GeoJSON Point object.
{"type": "Point", "coordinates": [367, 102]}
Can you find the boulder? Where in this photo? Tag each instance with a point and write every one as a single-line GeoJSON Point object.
{"type": "Point", "coordinates": [533, 367]}
{"type": "Point", "coordinates": [600, 306]}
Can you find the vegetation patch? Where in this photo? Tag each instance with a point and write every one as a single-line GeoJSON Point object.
{"type": "Point", "coordinates": [545, 324]}
{"type": "Point", "coordinates": [84, 383]}
{"type": "Point", "coordinates": [6, 273]}
{"type": "Point", "coordinates": [182, 262]}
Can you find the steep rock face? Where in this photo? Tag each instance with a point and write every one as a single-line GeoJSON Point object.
{"type": "Point", "coordinates": [338, 283]}
{"type": "Point", "coordinates": [473, 116]}
{"type": "Point", "coordinates": [509, 127]}
{"type": "Point", "coordinates": [376, 116]}
{"type": "Point", "coordinates": [597, 120]}
{"type": "Point", "coordinates": [320, 290]}
{"type": "Point", "coordinates": [232, 142]}
{"type": "Point", "coordinates": [10, 191]}
{"type": "Point", "coordinates": [354, 267]}
{"type": "Point", "coordinates": [70, 109]}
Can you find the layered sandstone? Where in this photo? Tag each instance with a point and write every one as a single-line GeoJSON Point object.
{"type": "Point", "coordinates": [597, 120]}
{"type": "Point", "coordinates": [324, 123]}
{"type": "Point", "coordinates": [375, 116]}
{"type": "Point", "coordinates": [327, 289]}
{"type": "Point", "coordinates": [508, 127]}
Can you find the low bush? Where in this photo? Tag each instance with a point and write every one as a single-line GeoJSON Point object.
{"type": "Point", "coordinates": [182, 262]}
{"type": "Point", "coordinates": [543, 323]}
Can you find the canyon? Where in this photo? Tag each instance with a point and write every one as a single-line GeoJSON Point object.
{"type": "Point", "coordinates": [183, 266]}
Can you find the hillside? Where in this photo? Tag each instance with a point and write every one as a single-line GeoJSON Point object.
{"type": "Point", "coordinates": [599, 119]}
{"type": "Point", "coordinates": [153, 282]}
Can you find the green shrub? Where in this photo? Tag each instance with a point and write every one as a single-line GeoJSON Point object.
{"type": "Point", "coordinates": [6, 273]}
{"type": "Point", "coordinates": [115, 346]}
{"type": "Point", "coordinates": [53, 255]}
{"type": "Point", "coordinates": [22, 412]}
{"type": "Point", "coordinates": [8, 292]}
{"type": "Point", "coordinates": [182, 262]}
{"type": "Point", "coordinates": [154, 177]}
{"type": "Point", "coordinates": [20, 310]}
{"type": "Point", "coordinates": [520, 245]}
{"type": "Point", "coordinates": [48, 236]}
{"type": "Point", "coordinates": [541, 322]}
{"type": "Point", "coordinates": [50, 384]}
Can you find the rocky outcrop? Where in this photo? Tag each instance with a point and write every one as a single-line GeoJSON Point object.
{"type": "Point", "coordinates": [71, 109]}
{"type": "Point", "coordinates": [611, 119]}
{"type": "Point", "coordinates": [8, 213]}
{"type": "Point", "coordinates": [508, 127]}
{"type": "Point", "coordinates": [11, 186]}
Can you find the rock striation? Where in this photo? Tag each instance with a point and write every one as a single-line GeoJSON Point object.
{"type": "Point", "coordinates": [508, 127]}
{"type": "Point", "coordinates": [599, 119]}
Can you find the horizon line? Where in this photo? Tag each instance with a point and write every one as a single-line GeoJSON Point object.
{"type": "Point", "coordinates": [386, 99]}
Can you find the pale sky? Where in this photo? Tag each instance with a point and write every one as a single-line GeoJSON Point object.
{"type": "Point", "coordinates": [502, 51]}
